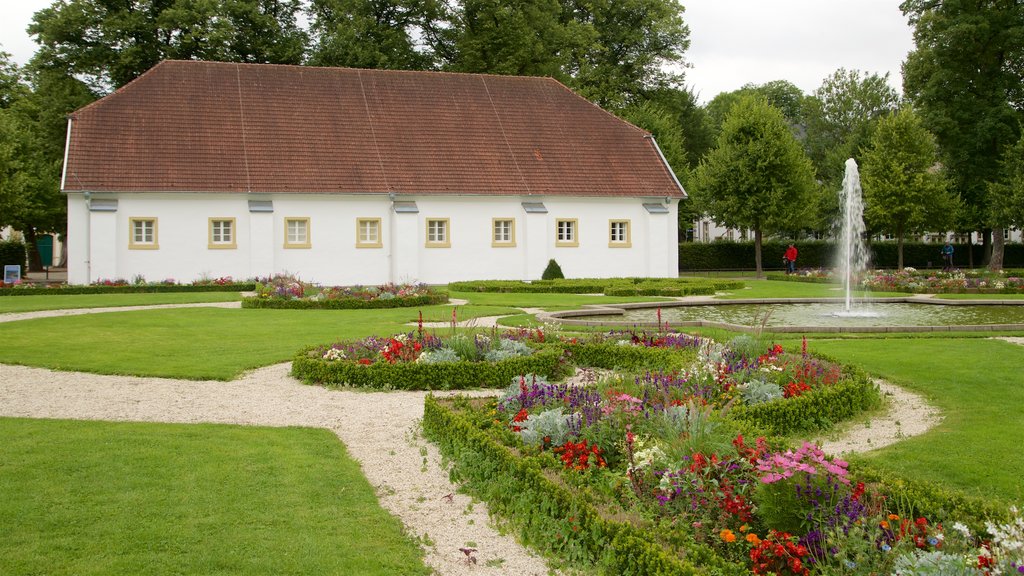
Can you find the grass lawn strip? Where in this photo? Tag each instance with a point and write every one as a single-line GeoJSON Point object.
{"type": "Point", "coordinates": [378, 429]}
{"type": "Point", "coordinates": [68, 301]}
{"type": "Point", "coordinates": [142, 498]}
{"type": "Point", "coordinates": [201, 343]}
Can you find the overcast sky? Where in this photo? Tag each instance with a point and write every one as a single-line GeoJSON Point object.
{"type": "Point", "coordinates": [733, 42]}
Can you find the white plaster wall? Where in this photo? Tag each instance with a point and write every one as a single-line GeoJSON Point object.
{"type": "Point", "coordinates": [333, 258]}
{"type": "Point", "coordinates": [78, 246]}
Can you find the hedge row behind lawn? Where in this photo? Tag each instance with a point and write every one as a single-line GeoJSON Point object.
{"type": "Point", "coordinates": [129, 289]}
{"type": "Point", "coordinates": [822, 254]}
{"type": "Point", "coordinates": [310, 368]}
{"type": "Point", "coordinates": [606, 286]}
{"type": "Point", "coordinates": [345, 303]}
{"type": "Point", "coordinates": [548, 514]}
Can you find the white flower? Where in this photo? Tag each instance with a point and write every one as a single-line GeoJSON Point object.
{"type": "Point", "coordinates": [334, 354]}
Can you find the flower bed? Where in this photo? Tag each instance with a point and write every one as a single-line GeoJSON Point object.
{"type": "Point", "coordinates": [914, 281]}
{"type": "Point", "coordinates": [654, 473]}
{"type": "Point", "coordinates": [288, 292]}
{"type": "Point", "coordinates": [425, 362]}
{"type": "Point", "coordinates": [120, 286]}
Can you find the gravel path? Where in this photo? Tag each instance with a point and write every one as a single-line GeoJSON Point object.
{"type": "Point", "coordinates": [16, 316]}
{"type": "Point", "coordinates": [380, 430]}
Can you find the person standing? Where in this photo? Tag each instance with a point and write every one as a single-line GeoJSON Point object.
{"type": "Point", "coordinates": [790, 259]}
{"type": "Point", "coordinates": [947, 257]}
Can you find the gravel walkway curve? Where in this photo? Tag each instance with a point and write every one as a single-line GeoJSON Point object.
{"type": "Point", "coordinates": [380, 430]}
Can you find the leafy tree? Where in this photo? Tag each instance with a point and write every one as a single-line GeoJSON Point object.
{"type": "Point", "coordinates": [519, 37]}
{"type": "Point", "coordinates": [782, 94]}
{"type": "Point", "coordinates": [757, 177]}
{"type": "Point", "coordinates": [966, 79]}
{"type": "Point", "coordinates": [904, 193]}
{"type": "Point", "coordinates": [1006, 199]}
{"type": "Point", "coordinates": [621, 47]}
{"type": "Point", "coordinates": [32, 134]}
{"type": "Point", "coordinates": [371, 33]}
{"type": "Point", "coordinates": [841, 116]}
{"type": "Point", "coordinates": [109, 43]}
{"type": "Point", "coordinates": [691, 118]}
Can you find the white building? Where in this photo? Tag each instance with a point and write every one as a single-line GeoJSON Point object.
{"type": "Point", "coordinates": [346, 176]}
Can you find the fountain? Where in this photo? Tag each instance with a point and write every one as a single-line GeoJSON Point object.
{"type": "Point", "coordinates": [853, 252]}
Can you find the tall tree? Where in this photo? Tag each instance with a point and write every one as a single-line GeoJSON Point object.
{"type": "Point", "coordinates": [782, 94]}
{"type": "Point", "coordinates": [109, 43]}
{"type": "Point", "coordinates": [372, 33]}
{"type": "Point", "coordinates": [966, 79]}
{"type": "Point", "coordinates": [841, 116]}
{"type": "Point", "coordinates": [632, 42]}
{"type": "Point", "coordinates": [758, 176]}
{"type": "Point", "coordinates": [1006, 199]}
{"type": "Point", "coordinates": [519, 37]}
{"type": "Point", "coordinates": [904, 191]}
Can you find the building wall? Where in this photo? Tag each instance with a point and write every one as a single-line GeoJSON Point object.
{"type": "Point", "coordinates": [100, 246]}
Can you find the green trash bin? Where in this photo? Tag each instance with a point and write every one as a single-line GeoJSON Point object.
{"type": "Point", "coordinates": [44, 244]}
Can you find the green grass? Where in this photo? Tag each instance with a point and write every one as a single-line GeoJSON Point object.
{"type": "Point", "coordinates": [979, 387]}
{"type": "Point", "coordinates": [91, 498]}
{"type": "Point", "coordinates": [68, 301]}
{"type": "Point", "coordinates": [199, 343]}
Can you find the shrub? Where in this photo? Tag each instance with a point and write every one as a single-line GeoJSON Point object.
{"type": "Point", "coordinates": [553, 271]}
{"type": "Point", "coordinates": [13, 252]}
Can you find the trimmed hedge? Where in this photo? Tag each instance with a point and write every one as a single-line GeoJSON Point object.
{"type": "Point", "coordinates": [817, 409]}
{"type": "Point", "coordinates": [345, 303]}
{"type": "Point", "coordinates": [411, 376]}
{"type": "Point", "coordinates": [612, 356]}
{"type": "Point", "coordinates": [822, 254]}
{"type": "Point", "coordinates": [937, 503]}
{"type": "Point", "coordinates": [606, 286]}
{"type": "Point", "coordinates": [13, 252]}
{"type": "Point", "coordinates": [129, 289]}
{"type": "Point", "coordinates": [518, 489]}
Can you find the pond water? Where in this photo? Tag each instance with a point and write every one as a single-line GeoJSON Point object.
{"type": "Point", "coordinates": [883, 314]}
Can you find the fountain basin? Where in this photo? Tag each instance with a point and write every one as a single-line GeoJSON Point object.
{"type": "Point", "coordinates": [904, 314]}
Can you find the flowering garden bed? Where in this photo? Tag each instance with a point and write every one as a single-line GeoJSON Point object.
{"type": "Point", "coordinates": [285, 291]}
{"type": "Point", "coordinates": [915, 281]}
{"type": "Point", "coordinates": [225, 284]}
{"type": "Point", "coordinates": [671, 472]}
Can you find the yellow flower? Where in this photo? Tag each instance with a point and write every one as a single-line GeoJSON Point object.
{"type": "Point", "coordinates": [727, 535]}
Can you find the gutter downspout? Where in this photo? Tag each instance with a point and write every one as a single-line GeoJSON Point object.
{"type": "Point", "coordinates": [667, 167]}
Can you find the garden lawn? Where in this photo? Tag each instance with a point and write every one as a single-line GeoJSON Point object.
{"type": "Point", "coordinates": [979, 386]}
{"type": "Point", "coordinates": [69, 301]}
{"type": "Point", "coordinates": [88, 498]}
{"type": "Point", "coordinates": [200, 343]}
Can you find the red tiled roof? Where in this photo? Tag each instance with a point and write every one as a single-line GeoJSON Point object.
{"type": "Point", "coordinates": [187, 126]}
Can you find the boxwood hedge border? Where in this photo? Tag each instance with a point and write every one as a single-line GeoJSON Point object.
{"type": "Point", "coordinates": [345, 303]}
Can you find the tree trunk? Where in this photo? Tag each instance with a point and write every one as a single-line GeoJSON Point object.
{"type": "Point", "coordinates": [986, 246]}
{"type": "Point", "coordinates": [757, 251]}
{"type": "Point", "coordinates": [899, 251]}
{"type": "Point", "coordinates": [970, 251]}
{"type": "Point", "coordinates": [995, 263]}
{"type": "Point", "coordinates": [35, 264]}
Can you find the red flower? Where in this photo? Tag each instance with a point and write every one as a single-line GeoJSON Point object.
{"type": "Point", "coordinates": [365, 361]}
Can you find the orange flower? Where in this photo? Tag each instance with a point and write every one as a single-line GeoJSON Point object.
{"type": "Point", "coordinates": [753, 539]}
{"type": "Point", "coordinates": [894, 517]}
{"type": "Point", "coordinates": [884, 525]}
{"type": "Point", "coordinates": [727, 535]}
